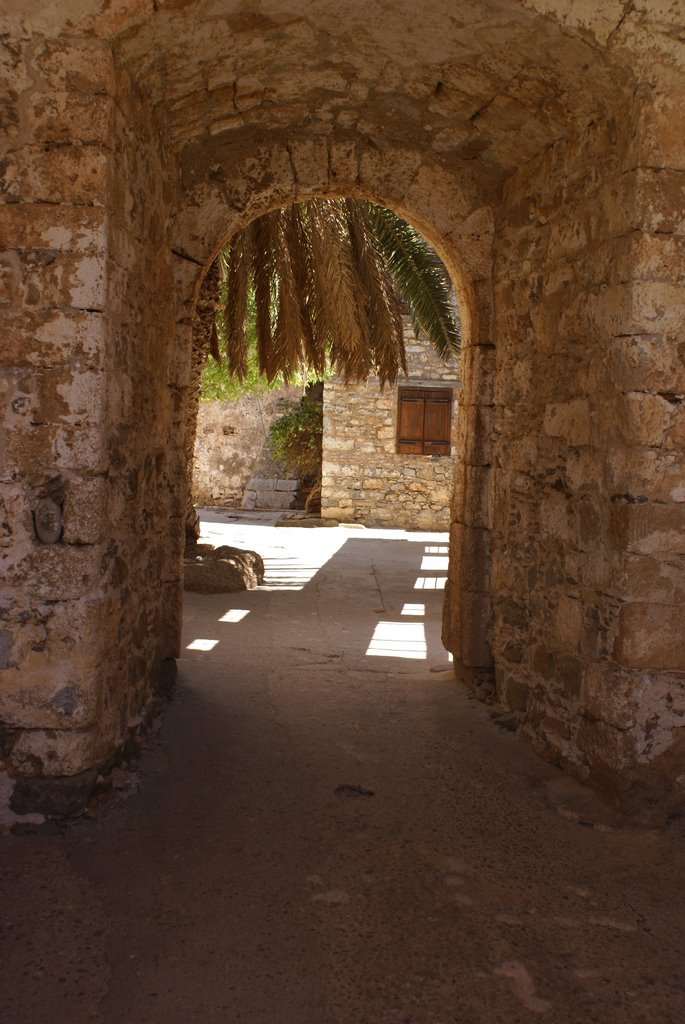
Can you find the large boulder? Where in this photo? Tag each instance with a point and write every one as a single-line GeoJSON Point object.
{"type": "Point", "coordinates": [221, 570]}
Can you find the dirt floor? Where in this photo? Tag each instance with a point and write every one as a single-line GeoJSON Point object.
{"type": "Point", "coordinates": [328, 830]}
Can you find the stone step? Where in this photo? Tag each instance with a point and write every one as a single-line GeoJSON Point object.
{"type": "Point", "coordinates": [258, 483]}
{"type": "Point", "coordinates": [271, 498]}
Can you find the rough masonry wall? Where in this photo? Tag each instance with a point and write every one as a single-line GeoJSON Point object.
{"type": "Point", "coordinates": [72, 253]}
{"type": "Point", "coordinates": [147, 377]}
{"type": "Point", "coordinates": [54, 234]}
{"type": "Point", "coordinates": [561, 128]}
{"type": "Point", "coordinates": [588, 500]}
{"type": "Point", "coordinates": [231, 435]}
{"type": "Point", "coordinates": [364, 479]}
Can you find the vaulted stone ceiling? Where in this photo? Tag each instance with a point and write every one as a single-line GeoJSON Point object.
{"type": "Point", "coordinates": [489, 80]}
{"type": "Point", "coordinates": [486, 80]}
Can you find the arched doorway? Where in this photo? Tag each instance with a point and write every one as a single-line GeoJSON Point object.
{"type": "Point", "coordinates": [517, 143]}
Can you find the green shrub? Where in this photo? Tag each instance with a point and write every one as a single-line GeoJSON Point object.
{"type": "Point", "coordinates": [296, 440]}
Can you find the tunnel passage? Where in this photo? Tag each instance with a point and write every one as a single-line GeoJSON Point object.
{"type": "Point", "coordinates": [541, 153]}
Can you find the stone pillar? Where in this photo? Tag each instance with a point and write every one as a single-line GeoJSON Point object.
{"type": "Point", "coordinates": [467, 611]}
{"type": "Point", "coordinates": [53, 237]}
{"type": "Point", "coordinates": [634, 700]}
{"type": "Point", "coordinates": [588, 556]}
{"type": "Point", "coordinates": [87, 562]}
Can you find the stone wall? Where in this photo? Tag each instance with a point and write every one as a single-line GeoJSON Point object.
{"type": "Point", "coordinates": [539, 147]}
{"type": "Point", "coordinates": [364, 478]}
{"type": "Point", "coordinates": [588, 502]}
{"type": "Point", "coordinates": [230, 442]}
{"type": "Point", "coordinates": [87, 415]}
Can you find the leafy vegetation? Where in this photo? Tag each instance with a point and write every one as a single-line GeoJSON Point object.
{"type": "Point", "coordinates": [296, 440]}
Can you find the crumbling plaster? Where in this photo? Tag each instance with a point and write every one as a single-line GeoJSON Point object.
{"type": "Point", "coordinates": [539, 147]}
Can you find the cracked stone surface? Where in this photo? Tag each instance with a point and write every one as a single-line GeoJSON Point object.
{"type": "Point", "coordinates": [236, 885]}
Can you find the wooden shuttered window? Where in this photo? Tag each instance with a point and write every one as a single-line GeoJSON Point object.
{"type": "Point", "coordinates": [424, 421]}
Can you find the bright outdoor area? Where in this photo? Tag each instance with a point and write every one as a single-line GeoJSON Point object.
{"type": "Point", "coordinates": [346, 584]}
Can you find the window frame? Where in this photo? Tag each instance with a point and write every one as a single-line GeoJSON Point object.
{"type": "Point", "coordinates": [437, 446]}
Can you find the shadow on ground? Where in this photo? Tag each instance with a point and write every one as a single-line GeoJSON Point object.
{"type": "Point", "coordinates": [328, 833]}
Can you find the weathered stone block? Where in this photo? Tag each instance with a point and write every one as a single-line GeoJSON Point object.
{"type": "Point", "coordinates": [466, 625]}
{"type": "Point", "coordinates": [59, 117]}
{"type": "Point", "coordinates": [607, 750]}
{"type": "Point", "coordinates": [71, 174]}
{"type": "Point", "coordinates": [568, 623]}
{"type": "Point", "coordinates": [663, 579]}
{"type": "Point", "coordinates": [10, 279]}
{"type": "Point", "coordinates": [660, 195]}
{"type": "Point", "coordinates": [77, 65]}
{"type": "Point", "coordinates": [310, 163]}
{"type": "Point", "coordinates": [85, 507]}
{"type": "Point", "coordinates": [610, 696]}
{"type": "Point", "coordinates": [477, 423]}
{"type": "Point", "coordinates": [648, 529]}
{"type": "Point", "coordinates": [512, 613]}
{"type": "Point", "coordinates": [53, 338]}
{"type": "Point", "coordinates": [394, 167]}
{"type": "Point", "coordinates": [478, 367]}
{"type": "Point", "coordinates": [675, 432]}
{"type": "Point", "coordinates": [56, 797]}
{"type": "Point", "coordinates": [660, 129]}
{"type": "Point", "coordinates": [343, 160]}
{"type": "Point", "coordinates": [513, 692]}
{"type": "Point", "coordinates": [649, 362]}
{"type": "Point", "coordinates": [569, 420]}
{"type": "Point", "coordinates": [471, 502]}
{"type": "Point", "coordinates": [50, 752]}
{"type": "Point", "coordinates": [58, 572]}
{"type": "Point", "coordinates": [470, 548]}
{"type": "Point", "coordinates": [650, 256]}
{"type": "Point", "coordinates": [58, 228]}
{"type": "Point", "coordinates": [554, 516]}
{"type": "Point", "coordinates": [60, 685]}
{"type": "Point", "coordinates": [645, 472]}
{"type": "Point", "coordinates": [650, 636]}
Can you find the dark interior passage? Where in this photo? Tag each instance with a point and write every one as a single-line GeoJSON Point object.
{"type": "Point", "coordinates": [329, 830]}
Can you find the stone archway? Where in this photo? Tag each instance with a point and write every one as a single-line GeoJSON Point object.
{"type": "Point", "coordinates": [541, 155]}
{"type": "Point", "coordinates": [398, 179]}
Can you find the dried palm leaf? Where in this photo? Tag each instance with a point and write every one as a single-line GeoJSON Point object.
{"type": "Point", "coordinates": [235, 310]}
{"type": "Point", "coordinates": [262, 252]}
{"type": "Point", "coordinates": [288, 337]}
{"type": "Point", "coordinates": [324, 274]}
{"type": "Point", "coordinates": [383, 309]}
{"type": "Point", "coordinates": [299, 246]}
{"type": "Point", "coordinates": [338, 290]}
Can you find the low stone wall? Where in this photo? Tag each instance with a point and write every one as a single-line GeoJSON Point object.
{"type": "Point", "coordinates": [364, 478]}
{"type": "Point", "coordinates": [230, 443]}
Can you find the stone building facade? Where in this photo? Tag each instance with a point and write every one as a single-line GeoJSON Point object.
{"type": "Point", "coordinates": [365, 478]}
{"type": "Point", "coordinates": [540, 147]}
{"type": "Point", "coordinates": [230, 444]}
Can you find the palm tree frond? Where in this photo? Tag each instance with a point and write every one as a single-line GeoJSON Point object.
{"type": "Point", "coordinates": [288, 336]}
{"type": "Point", "coordinates": [339, 290]}
{"type": "Point", "coordinates": [325, 276]}
{"type": "Point", "coordinates": [414, 266]}
{"type": "Point", "coordinates": [262, 238]}
{"type": "Point", "coordinates": [235, 309]}
{"type": "Point", "coordinates": [383, 309]}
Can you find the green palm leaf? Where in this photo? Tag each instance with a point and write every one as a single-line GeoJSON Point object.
{"type": "Point", "coordinates": [416, 270]}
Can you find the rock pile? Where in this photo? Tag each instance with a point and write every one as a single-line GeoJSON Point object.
{"type": "Point", "coordinates": [210, 570]}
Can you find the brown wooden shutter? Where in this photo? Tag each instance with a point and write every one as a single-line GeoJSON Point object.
{"type": "Point", "coordinates": [424, 420]}
{"type": "Point", "coordinates": [410, 421]}
{"type": "Point", "coordinates": [437, 422]}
